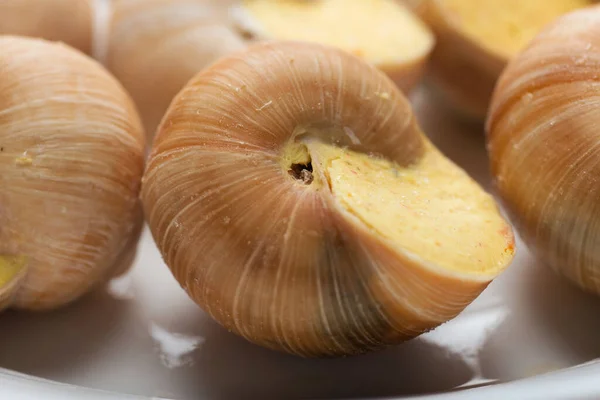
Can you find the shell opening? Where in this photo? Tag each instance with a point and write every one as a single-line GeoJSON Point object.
{"type": "Point", "coordinates": [431, 210]}
{"type": "Point", "coordinates": [302, 172]}
{"type": "Point", "coordinates": [297, 162]}
{"type": "Point", "coordinates": [390, 26]}
{"type": "Point", "coordinates": [507, 26]}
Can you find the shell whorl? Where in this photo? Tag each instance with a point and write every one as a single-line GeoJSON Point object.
{"type": "Point", "coordinates": [544, 145]}
{"type": "Point", "coordinates": [271, 259]}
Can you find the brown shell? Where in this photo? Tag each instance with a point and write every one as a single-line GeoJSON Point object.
{"type": "Point", "coordinates": [71, 160]}
{"type": "Point", "coordinates": [543, 140]}
{"type": "Point", "coordinates": [280, 264]}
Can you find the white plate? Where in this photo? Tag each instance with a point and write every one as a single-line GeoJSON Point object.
{"type": "Point", "coordinates": [143, 336]}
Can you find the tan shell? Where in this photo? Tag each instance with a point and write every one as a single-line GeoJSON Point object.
{"type": "Point", "coordinates": [406, 70]}
{"type": "Point", "coordinates": [278, 264]}
{"type": "Point", "coordinates": [68, 21]}
{"type": "Point", "coordinates": [156, 46]}
{"type": "Point", "coordinates": [543, 138]}
{"type": "Point", "coordinates": [71, 160]}
{"type": "Point", "coordinates": [464, 72]}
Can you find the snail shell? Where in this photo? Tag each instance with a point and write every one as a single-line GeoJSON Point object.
{"type": "Point", "coordinates": [71, 161]}
{"type": "Point", "coordinates": [156, 46]}
{"type": "Point", "coordinates": [476, 39]}
{"type": "Point", "coordinates": [294, 197]}
{"type": "Point", "coordinates": [543, 143]}
{"type": "Point", "coordinates": [383, 32]}
{"type": "Point", "coordinates": [68, 21]}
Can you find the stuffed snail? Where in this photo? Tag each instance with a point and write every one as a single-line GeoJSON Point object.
{"type": "Point", "coordinates": [476, 39]}
{"type": "Point", "coordinates": [383, 32]}
{"type": "Point", "coordinates": [296, 200]}
{"type": "Point", "coordinates": [71, 161]}
{"type": "Point", "coordinates": [543, 135]}
{"type": "Point", "coordinates": [68, 21]}
{"type": "Point", "coordinates": [156, 46]}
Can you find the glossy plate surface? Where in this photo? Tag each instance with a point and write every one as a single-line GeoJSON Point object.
{"type": "Point", "coordinates": [142, 336]}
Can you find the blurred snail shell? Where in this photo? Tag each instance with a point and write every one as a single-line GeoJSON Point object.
{"type": "Point", "coordinates": [543, 132]}
{"type": "Point", "coordinates": [296, 200]}
{"type": "Point", "coordinates": [68, 21]}
{"type": "Point", "coordinates": [71, 161]}
{"type": "Point", "coordinates": [156, 46]}
{"type": "Point", "coordinates": [476, 39]}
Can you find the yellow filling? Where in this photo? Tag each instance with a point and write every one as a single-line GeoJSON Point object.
{"type": "Point", "coordinates": [432, 210]}
{"type": "Point", "coordinates": [10, 266]}
{"type": "Point", "coordinates": [381, 31]}
{"type": "Point", "coordinates": [506, 26]}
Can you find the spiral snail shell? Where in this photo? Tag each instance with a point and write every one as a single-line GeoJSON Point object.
{"type": "Point", "coordinates": [296, 200]}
